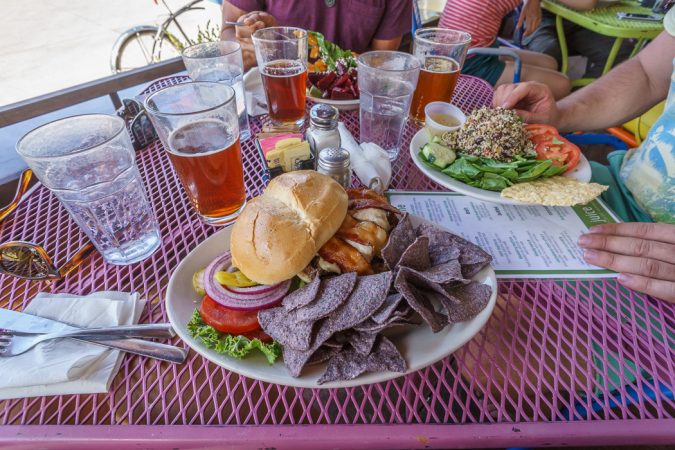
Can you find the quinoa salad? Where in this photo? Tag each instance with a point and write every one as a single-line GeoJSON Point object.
{"type": "Point", "coordinates": [496, 133]}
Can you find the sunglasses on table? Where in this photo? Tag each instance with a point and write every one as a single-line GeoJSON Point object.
{"type": "Point", "coordinates": [28, 260]}
{"type": "Point", "coordinates": [31, 261]}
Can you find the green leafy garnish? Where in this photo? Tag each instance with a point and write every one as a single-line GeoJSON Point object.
{"type": "Point", "coordinates": [330, 53]}
{"type": "Point", "coordinates": [493, 175]}
{"type": "Point", "coordinates": [227, 344]}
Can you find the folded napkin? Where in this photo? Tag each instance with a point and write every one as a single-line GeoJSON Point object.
{"type": "Point", "coordinates": [369, 161]}
{"type": "Point", "coordinates": [66, 366]}
{"type": "Point", "coordinates": [256, 102]}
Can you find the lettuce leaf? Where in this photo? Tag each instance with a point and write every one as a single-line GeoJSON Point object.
{"type": "Point", "coordinates": [330, 53]}
{"type": "Point", "coordinates": [227, 344]}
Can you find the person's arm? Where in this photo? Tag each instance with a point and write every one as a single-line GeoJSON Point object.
{"type": "Point", "coordinates": [231, 13]}
{"type": "Point", "coordinates": [624, 93]}
{"type": "Point", "coordinates": [395, 22]}
{"type": "Point", "coordinates": [530, 16]}
{"type": "Point", "coordinates": [253, 21]}
{"type": "Point", "coordinates": [580, 5]}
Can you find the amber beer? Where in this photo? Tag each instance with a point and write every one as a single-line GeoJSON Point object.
{"type": "Point", "coordinates": [436, 83]}
{"type": "Point", "coordinates": [285, 89]}
{"type": "Point", "coordinates": [207, 160]}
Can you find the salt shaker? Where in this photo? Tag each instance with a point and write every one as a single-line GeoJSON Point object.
{"type": "Point", "coordinates": [322, 132]}
{"type": "Point", "coordinates": [334, 162]}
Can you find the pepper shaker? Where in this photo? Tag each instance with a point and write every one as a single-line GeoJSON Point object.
{"type": "Point", "coordinates": [334, 162]}
{"type": "Point", "coordinates": [322, 132]}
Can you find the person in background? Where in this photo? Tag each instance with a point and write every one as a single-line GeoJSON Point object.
{"type": "Point", "coordinates": [482, 19]}
{"type": "Point", "coordinates": [580, 41]}
{"type": "Point", "coordinates": [357, 25]}
{"type": "Point", "coordinates": [642, 180]}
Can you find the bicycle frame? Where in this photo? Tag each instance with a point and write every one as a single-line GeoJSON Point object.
{"type": "Point", "coordinates": [163, 28]}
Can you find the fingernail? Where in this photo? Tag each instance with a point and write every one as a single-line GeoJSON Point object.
{"type": "Point", "coordinates": [590, 255]}
{"type": "Point", "coordinates": [584, 240]}
{"type": "Point", "coordinates": [596, 229]}
{"type": "Point", "coordinates": [624, 278]}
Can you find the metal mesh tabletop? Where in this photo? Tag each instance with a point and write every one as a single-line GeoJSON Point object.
{"type": "Point", "coordinates": [559, 362]}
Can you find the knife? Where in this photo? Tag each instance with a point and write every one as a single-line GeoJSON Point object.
{"type": "Point", "coordinates": [17, 321]}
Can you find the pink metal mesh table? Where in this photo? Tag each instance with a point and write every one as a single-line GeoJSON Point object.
{"type": "Point", "coordinates": [559, 362]}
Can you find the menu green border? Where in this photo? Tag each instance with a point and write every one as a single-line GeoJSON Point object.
{"type": "Point", "coordinates": [592, 213]}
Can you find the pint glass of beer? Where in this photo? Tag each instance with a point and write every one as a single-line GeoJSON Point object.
{"type": "Point", "coordinates": [442, 53]}
{"type": "Point", "coordinates": [199, 127]}
{"type": "Point", "coordinates": [282, 60]}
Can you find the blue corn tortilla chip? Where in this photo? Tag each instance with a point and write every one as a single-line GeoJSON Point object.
{"type": "Point", "coordinates": [368, 296]}
{"type": "Point", "coordinates": [388, 308]}
{"type": "Point", "coordinates": [303, 296]}
{"type": "Point", "coordinates": [466, 302]}
{"type": "Point", "coordinates": [449, 273]}
{"type": "Point", "coordinates": [400, 238]}
{"type": "Point", "coordinates": [349, 364]}
{"type": "Point", "coordinates": [416, 256]}
{"type": "Point", "coordinates": [323, 354]}
{"type": "Point", "coordinates": [419, 294]}
{"type": "Point", "coordinates": [361, 341]}
{"type": "Point", "coordinates": [283, 328]}
{"type": "Point", "coordinates": [295, 360]}
{"type": "Point", "coordinates": [443, 247]}
{"type": "Point", "coordinates": [332, 293]}
{"type": "Point", "coordinates": [294, 328]}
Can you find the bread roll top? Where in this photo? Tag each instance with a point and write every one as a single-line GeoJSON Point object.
{"type": "Point", "coordinates": [278, 233]}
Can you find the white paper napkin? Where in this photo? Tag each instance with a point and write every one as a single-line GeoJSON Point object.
{"type": "Point", "coordinates": [369, 161]}
{"type": "Point", "coordinates": [66, 366]}
{"type": "Point", "coordinates": [256, 102]}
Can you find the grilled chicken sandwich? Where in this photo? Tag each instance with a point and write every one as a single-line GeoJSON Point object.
{"type": "Point", "coordinates": [306, 222]}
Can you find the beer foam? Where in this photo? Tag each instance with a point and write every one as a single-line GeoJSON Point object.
{"type": "Point", "coordinates": [199, 138]}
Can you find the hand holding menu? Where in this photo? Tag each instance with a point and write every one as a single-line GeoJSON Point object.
{"type": "Point", "coordinates": [525, 241]}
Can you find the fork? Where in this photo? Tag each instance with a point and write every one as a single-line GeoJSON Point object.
{"type": "Point", "coordinates": [10, 346]}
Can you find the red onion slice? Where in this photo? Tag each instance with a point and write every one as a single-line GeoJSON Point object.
{"type": "Point", "coordinates": [254, 298]}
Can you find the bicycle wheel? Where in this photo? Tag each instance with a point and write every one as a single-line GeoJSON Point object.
{"type": "Point", "coordinates": [138, 47]}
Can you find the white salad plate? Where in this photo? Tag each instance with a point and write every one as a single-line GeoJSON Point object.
{"type": "Point", "coordinates": [418, 345]}
{"type": "Point", "coordinates": [581, 172]}
{"type": "Point", "coordinates": [342, 105]}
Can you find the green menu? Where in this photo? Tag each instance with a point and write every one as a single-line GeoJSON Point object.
{"type": "Point", "coordinates": [525, 241]}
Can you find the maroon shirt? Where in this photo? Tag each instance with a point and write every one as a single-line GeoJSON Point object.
{"type": "Point", "coordinates": [351, 24]}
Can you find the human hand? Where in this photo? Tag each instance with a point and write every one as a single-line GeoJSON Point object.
{"type": "Point", "coordinates": [642, 253]}
{"type": "Point", "coordinates": [531, 16]}
{"type": "Point", "coordinates": [253, 21]}
{"type": "Point", "coordinates": [532, 101]}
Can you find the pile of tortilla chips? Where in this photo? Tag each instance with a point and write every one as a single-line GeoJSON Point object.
{"type": "Point", "coordinates": [341, 319]}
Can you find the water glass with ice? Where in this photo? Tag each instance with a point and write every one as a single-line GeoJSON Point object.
{"type": "Point", "coordinates": [221, 62]}
{"type": "Point", "coordinates": [387, 80]}
{"type": "Point", "coordinates": [89, 163]}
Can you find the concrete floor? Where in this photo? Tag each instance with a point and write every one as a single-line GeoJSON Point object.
{"type": "Point", "coordinates": [52, 44]}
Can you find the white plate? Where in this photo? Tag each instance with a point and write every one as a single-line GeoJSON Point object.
{"type": "Point", "coordinates": [418, 345]}
{"type": "Point", "coordinates": [581, 172]}
{"type": "Point", "coordinates": [342, 105]}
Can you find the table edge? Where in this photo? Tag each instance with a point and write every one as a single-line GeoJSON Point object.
{"type": "Point", "coordinates": [381, 436]}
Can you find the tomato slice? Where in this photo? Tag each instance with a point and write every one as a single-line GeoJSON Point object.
{"type": "Point", "coordinates": [550, 145]}
{"type": "Point", "coordinates": [228, 320]}
{"type": "Point", "coordinates": [539, 132]}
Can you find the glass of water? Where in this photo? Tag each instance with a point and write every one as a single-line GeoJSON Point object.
{"type": "Point", "coordinates": [221, 62]}
{"type": "Point", "coordinates": [88, 162]}
{"type": "Point", "coordinates": [387, 80]}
